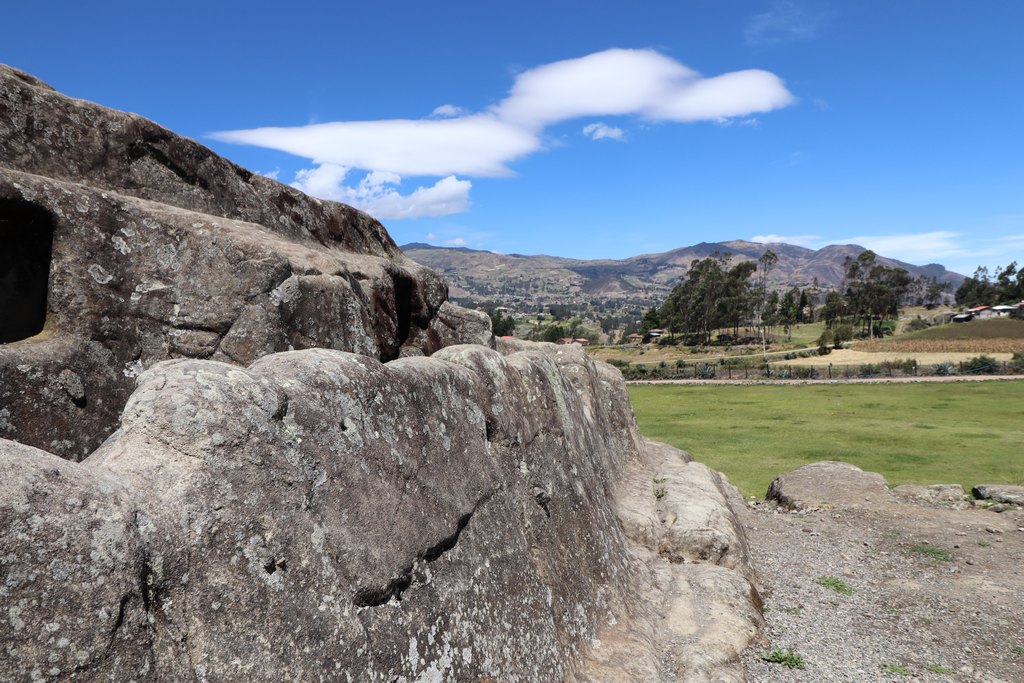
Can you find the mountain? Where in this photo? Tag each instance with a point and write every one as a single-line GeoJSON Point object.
{"type": "Point", "coordinates": [522, 281]}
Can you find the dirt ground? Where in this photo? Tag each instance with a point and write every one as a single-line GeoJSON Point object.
{"type": "Point", "coordinates": [937, 593]}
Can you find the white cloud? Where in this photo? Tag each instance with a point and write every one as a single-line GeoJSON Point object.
{"type": "Point", "coordinates": [613, 82]}
{"type": "Point", "coordinates": [456, 242]}
{"type": "Point", "coordinates": [784, 22]}
{"type": "Point", "coordinates": [270, 174]}
{"type": "Point", "coordinates": [447, 111]}
{"type": "Point", "coordinates": [479, 145]}
{"type": "Point", "coordinates": [430, 237]}
{"type": "Point", "coordinates": [799, 240]}
{"type": "Point", "coordinates": [376, 193]}
{"type": "Point", "coordinates": [602, 131]}
{"type": "Point", "coordinates": [916, 248]}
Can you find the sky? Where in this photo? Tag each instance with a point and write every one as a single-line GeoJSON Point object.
{"type": "Point", "coordinates": [588, 129]}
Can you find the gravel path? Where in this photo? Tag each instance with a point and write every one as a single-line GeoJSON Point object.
{"type": "Point", "coordinates": [912, 615]}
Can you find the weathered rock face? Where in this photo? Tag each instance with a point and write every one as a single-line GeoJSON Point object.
{"type": "Point", "coordinates": [162, 249]}
{"type": "Point", "coordinates": [321, 516]}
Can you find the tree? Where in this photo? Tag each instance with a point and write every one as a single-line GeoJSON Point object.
{"type": "Point", "coordinates": [502, 325]}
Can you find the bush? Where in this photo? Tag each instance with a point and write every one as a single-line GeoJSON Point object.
{"type": "Point", "coordinates": [618, 362]}
{"type": "Point", "coordinates": [841, 334]}
{"type": "Point", "coordinates": [825, 342]}
{"type": "Point", "coordinates": [805, 373]}
{"type": "Point", "coordinates": [943, 369]}
{"type": "Point", "coordinates": [1017, 362]}
{"type": "Point", "coordinates": [982, 365]}
{"type": "Point", "coordinates": [917, 324]}
{"type": "Point", "coordinates": [870, 370]}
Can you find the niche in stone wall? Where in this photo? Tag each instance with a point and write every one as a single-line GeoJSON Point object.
{"type": "Point", "coordinates": [26, 246]}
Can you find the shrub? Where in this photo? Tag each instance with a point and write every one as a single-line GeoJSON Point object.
{"type": "Point", "coordinates": [917, 324]}
{"type": "Point", "coordinates": [870, 370]}
{"type": "Point", "coordinates": [841, 334]}
{"type": "Point", "coordinates": [982, 365]}
{"type": "Point", "coordinates": [943, 369]}
{"type": "Point", "coordinates": [1017, 362]}
{"type": "Point", "coordinates": [805, 373]}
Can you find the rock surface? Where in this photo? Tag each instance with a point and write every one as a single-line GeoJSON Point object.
{"type": "Point", "coordinates": [321, 515]}
{"type": "Point", "coordinates": [161, 249]}
{"type": "Point", "coordinates": [1001, 493]}
{"type": "Point", "coordinates": [829, 484]}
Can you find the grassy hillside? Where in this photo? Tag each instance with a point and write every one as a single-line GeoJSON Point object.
{"type": "Point", "coordinates": [965, 433]}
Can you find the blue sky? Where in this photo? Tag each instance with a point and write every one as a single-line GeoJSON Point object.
{"type": "Point", "coordinates": [589, 129]}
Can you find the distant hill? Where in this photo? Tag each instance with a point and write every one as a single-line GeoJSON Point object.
{"type": "Point", "coordinates": [517, 280]}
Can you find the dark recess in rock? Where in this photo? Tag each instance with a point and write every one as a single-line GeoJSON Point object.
{"type": "Point", "coordinates": [26, 242]}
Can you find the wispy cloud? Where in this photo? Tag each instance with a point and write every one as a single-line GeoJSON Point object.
{"type": "Point", "coordinates": [455, 143]}
{"type": "Point", "coordinates": [786, 21]}
{"type": "Point", "coordinates": [799, 240]}
{"type": "Point", "coordinates": [602, 131]}
{"type": "Point", "coordinates": [917, 248]}
{"type": "Point", "coordinates": [376, 194]}
{"type": "Point", "coordinates": [456, 242]}
{"type": "Point", "coordinates": [447, 110]}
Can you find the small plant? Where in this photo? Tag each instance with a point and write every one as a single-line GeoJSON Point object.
{"type": "Point", "coordinates": [897, 669]}
{"type": "Point", "coordinates": [891, 533]}
{"type": "Point", "coordinates": [835, 584]}
{"type": "Point", "coordinates": [660, 492]}
{"type": "Point", "coordinates": [943, 369]}
{"type": "Point", "coordinates": [984, 544]}
{"type": "Point", "coordinates": [939, 669]}
{"type": "Point", "coordinates": [934, 553]}
{"type": "Point", "coordinates": [787, 658]}
{"type": "Point", "coordinates": [1017, 650]}
{"type": "Point", "coordinates": [705, 371]}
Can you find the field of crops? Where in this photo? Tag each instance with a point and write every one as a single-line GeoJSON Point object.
{"type": "Point", "coordinates": [994, 335]}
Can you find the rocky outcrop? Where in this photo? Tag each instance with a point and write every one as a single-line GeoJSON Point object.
{"type": "Point", "coordinates": [298, 461]}
{"type": "Point", "coordinates": [162, 249]}
{"type": "Point", "coordinates": [323, 516]}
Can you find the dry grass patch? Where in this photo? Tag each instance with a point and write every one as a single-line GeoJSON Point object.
{"type": "Point", "coordinates": [854, 357]}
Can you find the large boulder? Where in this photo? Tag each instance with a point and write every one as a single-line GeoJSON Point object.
{"type": "Point", "coordinates": [323, 516]}
{"type": "Point", "coordinates": [829, 484]}
{"type": "Point", "coordinates": [125, 244]}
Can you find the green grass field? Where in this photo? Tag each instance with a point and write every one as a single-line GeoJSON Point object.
{"type": "Point", "coordinates": [937, 433]}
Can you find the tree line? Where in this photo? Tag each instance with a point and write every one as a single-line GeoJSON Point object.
{"type": "Point", "coordinates": [717, 295]}
{"type": "Point", "coordinates": [1006, 286]}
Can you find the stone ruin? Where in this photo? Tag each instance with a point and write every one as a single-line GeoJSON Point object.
{"type": "Point", "coordinates": [245, 438]}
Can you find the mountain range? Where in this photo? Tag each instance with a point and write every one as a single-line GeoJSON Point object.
{"type": "Point", "coordinates": [520, 281]}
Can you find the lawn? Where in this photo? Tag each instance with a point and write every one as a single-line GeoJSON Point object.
{"type": "Point", "coordinates": [936, 433]}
